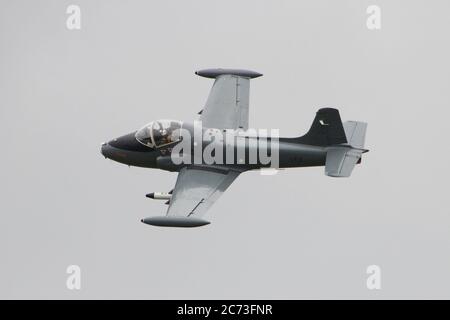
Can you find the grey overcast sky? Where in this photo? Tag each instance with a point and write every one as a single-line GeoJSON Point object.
{"type": "Point", "coordinates": [297, 234]}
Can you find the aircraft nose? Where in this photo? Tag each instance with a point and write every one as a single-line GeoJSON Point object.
{"type": "Point", "coordinates": [106, 150]}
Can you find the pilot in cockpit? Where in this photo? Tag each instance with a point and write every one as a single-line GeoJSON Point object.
{"type": "Point", "coordinates": [161, 136]}
{"type": "Point", "coordinates": [159, 133]}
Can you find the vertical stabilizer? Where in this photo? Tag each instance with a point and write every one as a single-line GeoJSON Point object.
{"type": "Point", "coordinates": [326, 129]}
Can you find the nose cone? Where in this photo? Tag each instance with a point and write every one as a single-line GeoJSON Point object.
{"type": "Point", "coordinates": [106, 150]}
{"type": "Point", "coordinates": [127, 150]}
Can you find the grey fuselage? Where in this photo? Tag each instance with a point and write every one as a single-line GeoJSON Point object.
{"type": "Point", "coordinates": [128, 150]}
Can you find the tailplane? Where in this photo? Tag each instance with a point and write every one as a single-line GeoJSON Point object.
{"type": "Point", "coordinates": [341, 159]}
{"type": "Point", "coordinates": [355, 132]}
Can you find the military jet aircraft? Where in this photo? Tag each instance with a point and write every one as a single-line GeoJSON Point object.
{"type": "Point", "coordinates": [329, 142]}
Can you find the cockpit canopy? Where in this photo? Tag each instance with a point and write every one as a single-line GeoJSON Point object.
{"type": "Point", "coordinates": [159, 133]}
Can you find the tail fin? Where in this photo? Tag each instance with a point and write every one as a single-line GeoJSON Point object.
{"type": "Point", "coordinates": [326, 129]}
{"type": "Point", "coordinates": [341, 159]}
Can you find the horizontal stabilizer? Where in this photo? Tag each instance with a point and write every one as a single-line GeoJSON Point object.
{"type": "Point", "coordinates": [175, 221]}
{"type": "Point", "coordinates": [341, 161]}
{"type": "Point", "coordinates": [355, 131]}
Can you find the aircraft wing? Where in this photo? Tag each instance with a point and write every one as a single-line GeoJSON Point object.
{"type": "Point", "coordinates": [228, 101]}
{"type": "Point", "coordinates": [196, 189]}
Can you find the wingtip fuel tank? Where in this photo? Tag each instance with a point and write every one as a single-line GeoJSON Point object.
{"type": "Point", "coordinates": [171, 221]}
